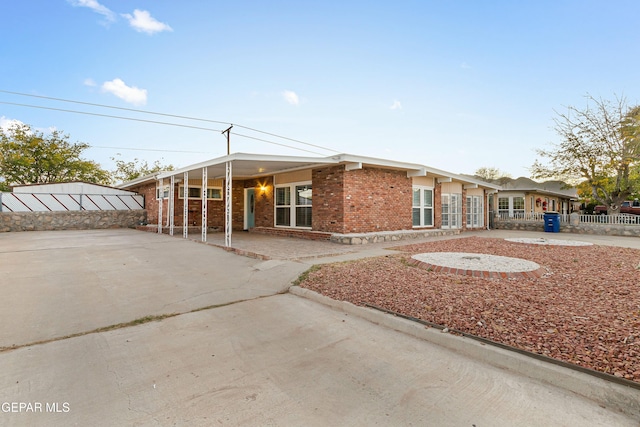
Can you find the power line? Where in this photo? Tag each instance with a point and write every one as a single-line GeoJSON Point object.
{"type": "Point", "coordinates": [275, 143]}
{"type": "Point", "coordinates": [156, 122]}
{"type": "Point", "coordinates": [109, 116]}
{"type": "Point", "coordinates": [149, 149]}
{"type": "Point", "coordinates": [169, 115]}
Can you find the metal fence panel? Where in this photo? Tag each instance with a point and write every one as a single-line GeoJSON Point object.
{"type": "Point", "coordinates": [115, 202]}
{"type": "Point", "coordinates": [71, 202]}
{"type": "Point", "coordinates": [93, 202]}
{"type": "Point", "coordinates": [11, 203]}
{"type": "Point", "coordinates": [50, 203]}
{"type": "Point", "coordinates": [133, 202]}
{"type": "Point", "coordinates": [29, 203]}
{"type": "Point", "coordinates": [43, 202]}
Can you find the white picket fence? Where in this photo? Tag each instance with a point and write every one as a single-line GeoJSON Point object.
{"type": "Point", "coordinates": [50, 202]}
{"type": "Point", "coordinates": [622, 219]}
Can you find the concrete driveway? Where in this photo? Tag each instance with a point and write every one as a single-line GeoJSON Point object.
{"type": "Point", "coordinates": [59, 283]}
{"type": "Point", "coordinates": [268, 359]}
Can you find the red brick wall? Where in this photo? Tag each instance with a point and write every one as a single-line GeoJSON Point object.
{"type": "Point", "coordinates": [328, 199]}
{"type": "Point", "coordinates": [437, 206]}
{"type": "Point", "coordinates": [361, 201]}
{"type": "Point", "coordinates": [264, 202]}
{"type": "Point", "coordinates": [148, 190]}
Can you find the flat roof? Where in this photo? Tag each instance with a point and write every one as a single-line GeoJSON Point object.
{"type": "Point", "coordinates": [247, 165]}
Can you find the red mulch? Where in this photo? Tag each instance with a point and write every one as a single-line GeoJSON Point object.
{"type": "Point", "coordinates": [585, 310]}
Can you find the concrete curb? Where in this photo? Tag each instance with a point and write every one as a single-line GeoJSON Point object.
{"type": "Point", "coordinates": [606, 394]}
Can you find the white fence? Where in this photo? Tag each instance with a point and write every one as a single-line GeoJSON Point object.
{"type": "Point", "coordinates": [50, 202]}
{"type": "Point", "coordinates": [621, 219]}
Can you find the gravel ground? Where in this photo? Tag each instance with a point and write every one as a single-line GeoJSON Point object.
{"type": "Point", "coordinates": [584, 310]}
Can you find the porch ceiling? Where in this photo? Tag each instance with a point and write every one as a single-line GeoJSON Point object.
{"type": "Point", "coordinates": [247, 166]}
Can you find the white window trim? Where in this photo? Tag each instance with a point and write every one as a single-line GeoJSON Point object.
{"type": "Point", "coordinates": [181, 190]}
{"type": "Point", "coordinates": [479, 215]}
{"type": "Point", "coordinates": [422, 207]}
{"type": "Point", "coordinates": [454, 215]}
{"type": "Point", "coordinates": [166, 192]}
{"type": "Point", "coordinates": [292, 206]}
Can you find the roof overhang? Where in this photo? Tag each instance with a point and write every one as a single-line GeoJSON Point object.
{"type": "Point", "coordinates": [246, 166]}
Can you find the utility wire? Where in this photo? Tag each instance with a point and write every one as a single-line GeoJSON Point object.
{"type": "Point", "coordinates": [275, 143]}
{"type": "Point", "coordinates": [156, 122]}
{"type": "Point", "coordinates": [168, 115]}
{"type": "Point", "coordinates": [150, 149]}
{"type": "Point", "coordinates": [110, 116]}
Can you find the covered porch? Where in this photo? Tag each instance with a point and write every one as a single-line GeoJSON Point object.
{"type": "Point", "coordinates": [241, 180]}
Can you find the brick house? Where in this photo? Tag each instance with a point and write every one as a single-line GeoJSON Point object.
{"type": "Point", "coordinates": [310, 196]}
{"type": "Point", "coordinates": [524, 197]}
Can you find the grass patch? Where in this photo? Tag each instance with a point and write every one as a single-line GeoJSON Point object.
{"type": "Point", "coordinates": [304, 276]}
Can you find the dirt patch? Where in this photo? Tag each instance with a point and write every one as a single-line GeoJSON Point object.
{"type": "Point", "coordinates": [584, 310]}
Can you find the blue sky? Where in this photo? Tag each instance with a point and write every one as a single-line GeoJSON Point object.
{"type": "Point", "coordinates": [455, 85]}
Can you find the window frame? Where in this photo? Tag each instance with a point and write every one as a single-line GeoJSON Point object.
{"type": "Point", "coordinates": [518, 212]}
{"type": "Point", "coordinates": [293, 206]}
{"type": "Point", "coordinates": [422, 206]}
{"type": "Point", "coordinates": [165, 192]}
{"type": "Point", "coordinates": [199, 197]}
{"type": "Point", "coordinates": [451, 210]}
{"type": "Point", "coordinates": [475, 211]}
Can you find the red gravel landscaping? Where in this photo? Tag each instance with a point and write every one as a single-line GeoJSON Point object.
{"type": "Point", "coordinates": [584, 310]}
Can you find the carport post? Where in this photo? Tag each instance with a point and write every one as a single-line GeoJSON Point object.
{"type": "Point", "coordinates": [204, 204]}
{"type": "Point", "coordinates": [160, 200]}
{"type": "Point", "coordinates": [185, 206]}
{"type": "Point", "coordinates": [171, 203]}
{"type": "Point", "coordinates": [227, 205]}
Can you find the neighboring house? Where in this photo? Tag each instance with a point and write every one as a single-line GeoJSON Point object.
{"type": "Point", "coordinates": [339, 194]}
{"type": "Point", "coordinates": [523, 196]}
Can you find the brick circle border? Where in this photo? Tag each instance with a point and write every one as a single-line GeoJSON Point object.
{"type": "Point", "coordinates": [484, 274]}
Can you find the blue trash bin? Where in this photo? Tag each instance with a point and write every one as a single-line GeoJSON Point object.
{"type": "Point", "coordinates": [552, 222]}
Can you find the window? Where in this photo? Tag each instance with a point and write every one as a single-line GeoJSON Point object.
{"type": "Point", "coordinates": [503, 206]}
{"type": "Point", "coordinates": [165, 192]}
{"type": "Point", "coordinates": [283, 206]}
{"type": "Point", "coordinates": [422, 211]}
{"type": "Point", "coordinates": [451, 210]}
{"type": "Point", "coordinates": [303, 205]}
{"type": "Point", "coordinates": [475, 212]}
{"type": "Point", "coordinates": [518, 207]}
{"type": "Point", "coordinates": [445, 211]}
{"type": "Point", "coordinates": [296, 211]}
{"type": "Point", "coordinates": [213, 193]}
{"type": "Point", "coordinates": [456, 210]}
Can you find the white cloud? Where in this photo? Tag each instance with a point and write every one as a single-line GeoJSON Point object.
{"type": "Point", "coordinates": [465, 66]}
{"type": "Point", "coordinates": [130, 94]}
{"type": "Point", "coordinates": [89, 82]}
{"type": "Point", "coordinates": [396, 105]}
{"type": "Point", "coordinates": [143, 22]}
{"type": "Point", "coordinates": [291, 97]}
{"type": "Point", "coordinates": [96, 7]}
{"type": "Point", "coordinates": [6, 123]}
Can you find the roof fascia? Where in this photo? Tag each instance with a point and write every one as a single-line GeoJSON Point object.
{"type": "Point", "coordinates": [414, 168]}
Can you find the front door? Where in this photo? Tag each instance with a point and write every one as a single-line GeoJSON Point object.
{"type": "Point", "coordinates": [249, 208]}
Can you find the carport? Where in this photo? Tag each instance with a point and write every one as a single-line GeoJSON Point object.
{"type": "Point", "coordinates": [238, 166]}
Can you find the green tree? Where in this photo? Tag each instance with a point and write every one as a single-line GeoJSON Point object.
{"type": "Point", "coordinates": [599, 144]}
{"type": "Point", "coordinates": [128, 171]}
{"type": "Point", "coordinates": [31, 157]}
